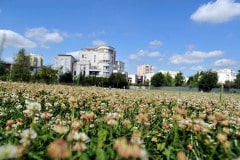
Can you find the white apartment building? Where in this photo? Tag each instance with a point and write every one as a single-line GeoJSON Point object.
{"type": "Point", "coordinates": [132, 78]}
{"type": "Point", "coordinates": [64, 63]}
{"type": "Point", "coordinates": [36, 61]}
{"type": "Point", "coordinates": [226, 75]}
{"type": "Point", "coordinates": [119, 67]}
{"type": "Point", "coordinates": [97, 62]}
{"type": "Point", "coordinates": [145, 72]}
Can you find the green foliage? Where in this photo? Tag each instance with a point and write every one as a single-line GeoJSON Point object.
{"type": "Point", "coordinates": [91, 81]}
{"type": "Point", "coordinates": [208, 80]}
{"type": "Point", "coordinates": [194, 80]}
{"type": "Point", "coordinates": [168, 79]}
{"type": "Point", "coordinates": [179, 79]}
{"type": "Point", "coordinates": [158, 80]}
{"type": "Point", "coordinates": [4, 72]}
{"type": "Point", "coordinates": [21, 67]}
{"type": "Point", "coordinates": [237, 80]}
{"type": "Point", "coordinates": [118, 80]}
{"type": "Point", "coordinates": [66, 77]}
{"type": "Point", "coordinates": [46, 74]}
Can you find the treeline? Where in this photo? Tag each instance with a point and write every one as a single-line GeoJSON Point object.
{"type": "Point", "coordinates": [20, 71]}
{"type": "Point", "coordinates": [205, 80]}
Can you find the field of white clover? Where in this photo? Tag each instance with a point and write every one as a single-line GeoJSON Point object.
{"type": "Point", "coordinates": [39, 121]}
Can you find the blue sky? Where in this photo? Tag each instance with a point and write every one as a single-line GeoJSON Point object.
{"type": "Point", "coordinates": [186, 35]}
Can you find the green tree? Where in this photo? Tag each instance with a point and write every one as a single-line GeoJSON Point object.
{"type": "Point", "coordinates": [168, 79]}
{"type": "Point", "coordinates": [21, 67]}
{"type": "Point", "coordinates": [118, 80]}
{"type": "Point", "coordinates": [237, 80]}
{"type": "Point", "coordinates": [208, 80]}
{"type": "Point", "coordinates": [47, 74]}
{"type": "Point", "coordinates": [66, 77]}
{"type": "Point", "coordinates": [158, 79]}
{"type": "Point", "coordinates": [194, 80]}
{"type": "Point", "coordinates": [4, 71]}
{"type": "Point", "coordinates": [179, 79]}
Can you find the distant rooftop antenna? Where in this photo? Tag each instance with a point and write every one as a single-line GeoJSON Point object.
{"type": "Point", "coordinates": [2, 44]}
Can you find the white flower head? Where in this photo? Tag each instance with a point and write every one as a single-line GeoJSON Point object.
{"type": "Point", "coordinates": [34, 106]}
{"type": "Point", "coordinates": [29, 134]}
{"type": "Point", "coordinates": [8, 151]}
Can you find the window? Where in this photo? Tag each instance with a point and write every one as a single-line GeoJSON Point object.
{"type": "Point", "coordinates": [94, 58]}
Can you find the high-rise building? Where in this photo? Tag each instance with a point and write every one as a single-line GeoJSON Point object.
{"type": "Point", "coordinates": [36, 61]}
{"type": "Point", "coordinates": [99, 62]}
{"type": "Point", "coordinates": [226, 75]}
{"type": "Point", "coordinates": [145, 72]}
{"type": "Point", "coordinates": [64, 63]}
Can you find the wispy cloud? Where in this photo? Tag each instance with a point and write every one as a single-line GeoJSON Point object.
{"type": "Point", "coordinates": [191, 57]}
{"type": "Point", "coordinates": [98, 43]}
{"type": "Point", "coordinates": [96, 33]}
{"type": "Point", "coordinates": [217, 12]}
{"type": "Point", "coordinates": [43, 35]}
{"type": "Point", "coordinates": [65, 34]}
{"type": "Point", "coordinates": [155, 44]}
{"type": "Point", "coordinates": [14, 39]}
{"type": "Point", "coordinates": [224, 62]}
{"type": "Point", "coordinates": [197, 68]}
{"type": "Point", "coordinates": [143, 53]}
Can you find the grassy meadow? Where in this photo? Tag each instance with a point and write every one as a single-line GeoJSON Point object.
{"type": "Point", "coordinates": [39, 121]}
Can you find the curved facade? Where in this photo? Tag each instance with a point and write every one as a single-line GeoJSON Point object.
{"type": "Point", "coordinates": [97, 62]}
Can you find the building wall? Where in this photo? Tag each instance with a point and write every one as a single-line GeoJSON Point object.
{"type": "Point", "coordinates": [132, 78]}
{"type": "Point", "coordinates": [64, 63]}
{"type": "Point", "coordinates": [145, 72]}
{"type": "Point", "coordinates": [97, 62]}
{"type": "Point", "coordinates": [226, 75]}
{"type": "Point", "coordinates": [36, 60]}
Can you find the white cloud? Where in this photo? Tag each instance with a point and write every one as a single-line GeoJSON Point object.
{"type": "Point", "coordinates": [217, 12]}
{"type": "Point", "coordinates": [42, 35]}
{"type": "Point", "coordinates": [98, 43]}
{"type": "Point", "coordinates": [65, 34]}
{"type": "Point", "coordinates": [96, 33]}
{"type": "Point", "coordinates": [191, 57]}
{"type": "Point", "coordinates": [197, 68]}
{"type": "Point", "coordinates": [14, 39]}
{"type": "Point", "coordinates": [143, 53]}
{"type": "Point", "coordinates": [155, 44]}
{"type": "Point", "coordinates": [224, 62]}
{"type": "Point", "coordinates": [154, 54]}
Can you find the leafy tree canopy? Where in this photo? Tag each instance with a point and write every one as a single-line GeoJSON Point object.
{"type": "Point", "coordinates": [118, 80]}
{"type": "Point", "coordinates": [21, 67]}
{"type": "Point", "coordinates": [208, 80]}
{"type": "Point", "coordinates": [158, 79]}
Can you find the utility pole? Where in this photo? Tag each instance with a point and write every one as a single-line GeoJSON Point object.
{"type": "Point", "coordinates": [2, 44]}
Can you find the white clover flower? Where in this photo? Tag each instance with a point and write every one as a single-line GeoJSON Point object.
{"type": "Point", "coordinates": [34, 106]}
{"type": "Point", "coordinates": [8, 151]}
{"type": "Point", "coordinates": [29, 134]}
{"type": "Point", "coordinates": [80, 137]}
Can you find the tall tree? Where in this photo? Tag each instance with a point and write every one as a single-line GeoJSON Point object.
{"type": "Point", "coordinates": [21, 67]}
{"type": "Point", "coordinates": [194, 80]}
{"type": "Point", "coordinates": [208, 80]}
{"type": "Point", "coordinates": [118, 80]}
{"type": "Point", "coordinates": [168, 79]}
{"type": "Point", "coordinates": [158, 79]}
{"type": "Point", "coordinates": [47, 74]}
{"type": "Point", "coordinates": [237, 80]}
{"type": "Point", "coordinates": [179, 79]}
